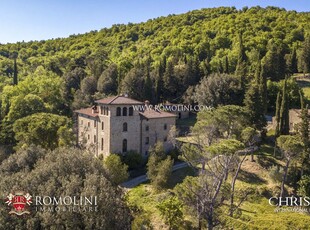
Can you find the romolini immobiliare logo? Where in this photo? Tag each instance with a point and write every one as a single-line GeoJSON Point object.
{"type": "Point", "coordinates": [21, 201]}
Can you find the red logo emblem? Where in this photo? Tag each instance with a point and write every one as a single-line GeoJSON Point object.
{"type": "Point", "coordinates": [19, 201]}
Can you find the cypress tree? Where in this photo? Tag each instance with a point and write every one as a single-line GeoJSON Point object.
{"type": "Point", "coordinates": [304, 126]}
{"type": "Point", "coordinates": [284, 112]}
{"type": "Point", "coordinates": [305, 55]}
{"type": "Point", "coordinates": [15, 71]}
{"type": "Point", "coordinates": [241, 62]}
{"type": "Point", "coordinates": [253, 104]}
{"type": "Point", "coordinates": [148, 87]}
{"type": "Point", "coordinates": [15, 80]}
{"type": "Point", "coordinates": [278, 106]}
{"type": "Point", "coordinates": [294, 68]}
{"type": "Point", "coordinates": [263, 88]}
{"type": "Point", "coordinates": [257, 74]}
{"type": "Point", "coordinates": [226, 65]}
{"type": "Point", "coordinates": [304, 133]}
{"type": "Point", "coordinates": [220, 68]}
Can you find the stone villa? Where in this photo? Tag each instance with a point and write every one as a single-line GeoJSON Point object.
{"type": "Point", "coordinates": [119, 124]}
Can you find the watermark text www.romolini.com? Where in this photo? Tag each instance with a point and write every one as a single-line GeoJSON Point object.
{"type": "Point", "coordinates": [173, 108]}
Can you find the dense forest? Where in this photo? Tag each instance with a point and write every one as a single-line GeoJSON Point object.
{"type": "Point", "coordinates": [168, 58]}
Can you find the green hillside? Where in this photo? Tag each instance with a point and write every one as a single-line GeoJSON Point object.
{"type": "Point", "coordinates": [174, 51]}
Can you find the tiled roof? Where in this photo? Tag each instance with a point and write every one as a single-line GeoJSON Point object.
{"type": "Point", "coordinates": [149, 114]}
{"type": "Point", "coordinates": [119, 100]}
{"type": "Point", "coordinates": [87, 111]}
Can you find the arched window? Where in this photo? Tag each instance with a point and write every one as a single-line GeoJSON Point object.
{"type": "Point", "coordinates": [125, 111]}
{"type": "Point", "coordinates": [125, 127]}
{"type": "Point", "coordinates": [124, 145]}
{"type": "Point", "coordinates": [165, 126]}
{"type": "Point", "coordinates": [118, 111]}
{"type": "Point", "coordinates": [130, 111]}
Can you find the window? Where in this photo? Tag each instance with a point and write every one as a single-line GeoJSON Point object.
{"type": "Point", "coordinates": [88, 124]}
{"type": "Point", "coordinates": [130, 111]}
{"type": "Point", "coordinates": [102, 126]}
{"type": "Point", "coordinates": [101, 110]}
{"type": "Point", "coordinates": [101, 144]}
{"type": "Point", "coordinates": [146, 153]}
{"type": "Point", "coordinates": [124, 145]}
{"type": "Point", "coordinates": [106, 111]}
{"type": "Point", "coordinates": [88, 137]}
{"type": "Point", "coordinates": [125, 111]}
{"type": "Point", "coordinates": [165, 126]}
{"type": "Point", "coordinates": [147, 140]}
{"type": "Point", "coordinates": [95, 139]}
{"type": "Point", "coordinates": [95, 124]}
{"type": "Point", "coordinates": [165, 139]}
{"type": "Point", "coordinates": [125, 127]}
{"type": "Point", "coordinates": [118, 111]}
{"type": "Point", "coordinates": [147, 128]}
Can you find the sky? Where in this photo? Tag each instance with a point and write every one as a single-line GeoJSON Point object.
{"type": "Point", "coordinates": [25, 20]}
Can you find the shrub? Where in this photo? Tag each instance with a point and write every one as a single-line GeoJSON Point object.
{"type": "Point", "coordinates": [304, 186]}
{"type": "Point", "coordinates": [133, 160]}
{"type": "Point", "coordinates": [174, 153]}
{"type": "Point", "coordinates": [275, 173]}
{"type": "Point", "coordinates": [293, 176]}
{"type": "Point", "coordinates": [171, 210]}
{"type": "Point", "coordinates": [115, 169]}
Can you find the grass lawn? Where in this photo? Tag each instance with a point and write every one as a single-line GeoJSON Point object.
{"type": "Point", "coordinates": [184, 125]}
{"type": "Point", "coordinates": [146, 199]}
{"type": "Point", "coordinates": [304, 83]}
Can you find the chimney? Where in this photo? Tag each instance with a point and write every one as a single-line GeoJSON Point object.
{"type": "Point", "coordinates": [94, 109]}
{"type": "Point", "coordinates": [126, 95]}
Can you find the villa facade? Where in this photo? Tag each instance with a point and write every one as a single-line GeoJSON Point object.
{"type": "Point", "coordinates": [120, 124]}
